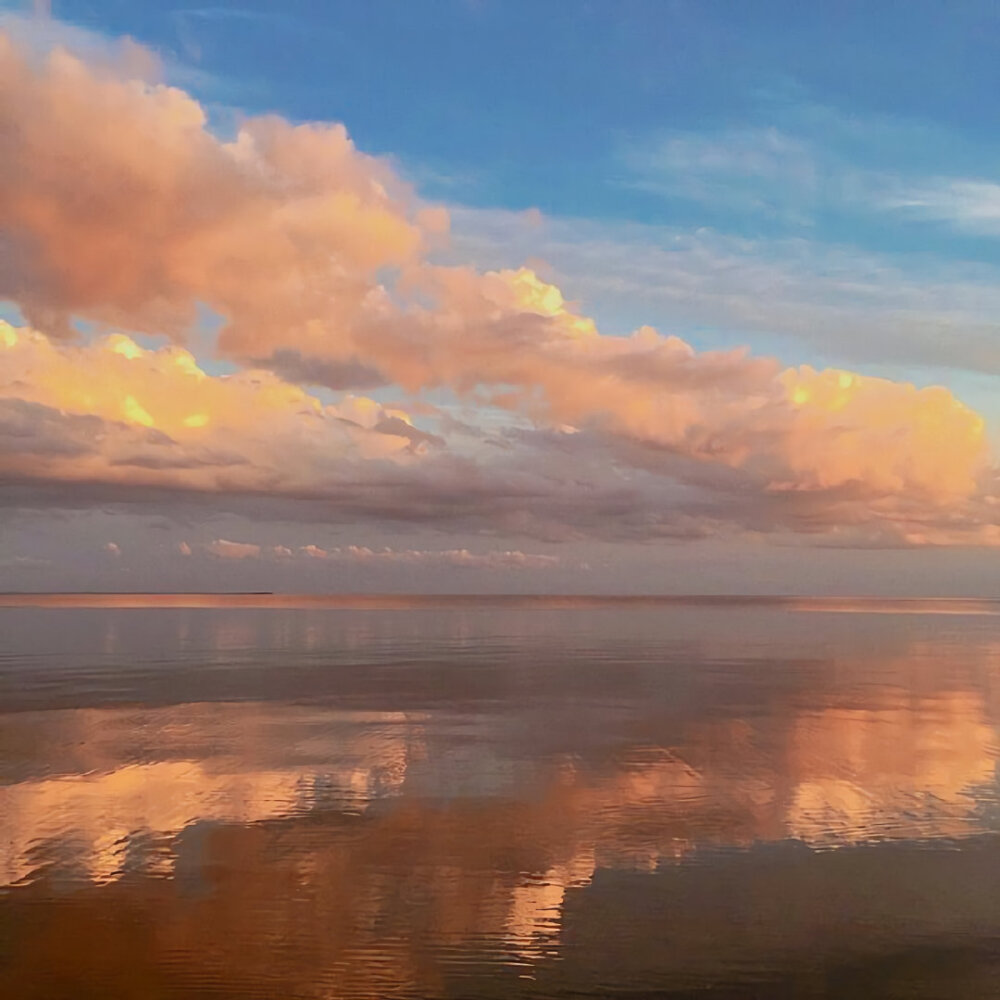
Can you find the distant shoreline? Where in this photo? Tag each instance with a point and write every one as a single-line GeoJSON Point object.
{"type": "Point", "coordinates": [268, 599]}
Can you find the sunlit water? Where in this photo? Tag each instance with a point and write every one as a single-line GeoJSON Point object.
{"type": "Point", "coordinates": [283, 798]}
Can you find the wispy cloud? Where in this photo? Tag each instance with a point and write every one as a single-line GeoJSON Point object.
{"type": "Point", "coordinates": [191, 24]}
{"type": "Point", "coordinates": [219, 13]}
{"type": "Point", "coordinates": [457, 558]}
{"type": "Point", "coordinates": [971, 206]}
{"type": "Point", "coordinates": [853, 305]}
{"type": "Point", "coordinates": [758, 170]}
{"type": "Point", "coordinates": [800, 165]}
{"type": "Point", "coordinates": [21, 562]}
{"type": "Point", "coordinates": [365, 556]}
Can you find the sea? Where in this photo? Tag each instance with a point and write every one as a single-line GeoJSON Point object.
{"type": "Point", "coordinates": [281, 797]}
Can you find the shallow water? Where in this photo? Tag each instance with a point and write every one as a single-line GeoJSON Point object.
{"type": "Point", "coordinates": [322, 798]}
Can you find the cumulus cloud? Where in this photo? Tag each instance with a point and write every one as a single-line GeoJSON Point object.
{"type": "Point", "coordinates": [317, 259]}
{"type": "Point", "coordinates": [283, 225]}
{"type": "Point", "coordinates": [112, 411]}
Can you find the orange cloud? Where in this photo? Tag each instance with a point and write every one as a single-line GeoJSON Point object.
{"type": "Point", "coordinates": [164, 421]}
{"type": "Point", "coordinates": [316, 257]}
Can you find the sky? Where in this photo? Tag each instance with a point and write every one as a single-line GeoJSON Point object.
{"type": "Point", "coordinates": [483, 296]}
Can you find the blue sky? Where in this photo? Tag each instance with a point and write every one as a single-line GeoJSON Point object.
{"type": "Point", "coordinates": [574, 107]}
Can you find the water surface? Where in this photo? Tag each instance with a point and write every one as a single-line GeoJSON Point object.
{"type": "Point", "coordinates": [282, 797]}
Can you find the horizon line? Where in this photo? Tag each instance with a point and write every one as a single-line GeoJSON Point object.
{"type": "Point", "coordinates": [389, 601]}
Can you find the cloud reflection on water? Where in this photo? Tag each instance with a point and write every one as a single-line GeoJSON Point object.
{"type": "Point", "coordinates": [396, 816]}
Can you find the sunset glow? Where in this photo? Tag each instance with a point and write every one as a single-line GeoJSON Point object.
{"type": "Point", "coordinates": [499, 498]}
{"type": "Point", "coordinates": [265, 311]}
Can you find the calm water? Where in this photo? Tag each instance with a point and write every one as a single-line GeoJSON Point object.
{"type": "Point", "coordinates": [285, 798]}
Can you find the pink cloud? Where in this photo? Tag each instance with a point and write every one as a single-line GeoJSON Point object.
{"type": "Point", "coordinates": [316, 256]}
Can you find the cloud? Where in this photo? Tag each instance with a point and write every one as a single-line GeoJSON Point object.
{"type": "Point", "coordinates": [794, 163]}
{"type": "Point", "coordinates": [283, 221]}
{"type": "Point", "coordinates": [22, 562]}
{"type": "Point", "coordinates": [232, 14]}
{"type": "Point", "coordinates": [113, 411]}
{"type": "Point", "coordinates": [968, 205]}
{"type": "Point", "coordinates": [225, 549]}
{"type": "Point", "coordinates": [364, 556]}
{"type": "Point", "coordinates": [751, 169]}
{"type": "Point", "coordinates": [37, 34]}
{"type": "Point", "coordinates": [318, 260]}
{"type": "Point", "coordinates": [724, 423]}
{"type": "Point", "coordinates": [458, 558]}
{"type": "Point", "coordinates": [857, 306]}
